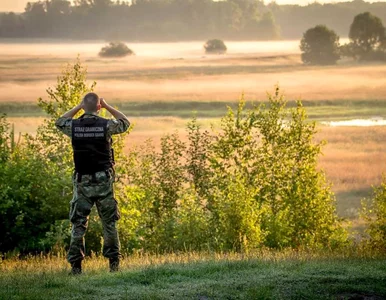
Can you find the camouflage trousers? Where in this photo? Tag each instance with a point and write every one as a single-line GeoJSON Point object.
{"type": "Point", "coordinates": [88, 190]}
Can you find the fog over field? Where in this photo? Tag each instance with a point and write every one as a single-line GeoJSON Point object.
{"type": "Point", "coordinates": [178, 73]}
{"type": "Point", "coordinates": [157, 50]}
{"type": "Point", "coordinates": [182, 71]}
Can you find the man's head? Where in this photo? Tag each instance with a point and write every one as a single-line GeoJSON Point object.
{"type": "Point", "coordinates": [91, 103]}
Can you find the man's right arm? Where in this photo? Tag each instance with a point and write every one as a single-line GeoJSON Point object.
{"type": "Point", "coordinates": [64, 125]}
{"type": "Point", "coordinates": [65, 121]}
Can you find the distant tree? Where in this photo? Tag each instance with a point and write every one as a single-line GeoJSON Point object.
{"type": "Point", "coordinates": [115, 49]}
{"type": "Point", "coordinates": [58, 7]}
{"type": "Point", "coordinates": [11, 25]}
{"type": "Point", "coordinates": [268, 27]}
{"type": "Point", "coordinates": [320, 46]}
{"type": "Point", "coordinates": [366, 33]}
{"type": "Point", "coordinates": [348, 50]}
{"type": "Point", "coordinates": [367, 39]}
{"type": "Point", "coordinates": [215, 46]}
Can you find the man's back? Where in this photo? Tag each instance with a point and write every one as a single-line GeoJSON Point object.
{"type": "Point", "coordinates": [94, 176]}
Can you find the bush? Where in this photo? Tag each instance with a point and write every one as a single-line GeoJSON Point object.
{"type": "Point", "coordinates": [252, 183]}
{"type": "Point", "coordinates": [374, 213]}
{"type": "Point", "coordinates": [352, 51]}
{"type": "Point", "coordinates": [215, 47]}
{"type": "Point", "coordinates": [115, 49]}
{"type": "Point", "coordinates": [35, 177]}
{"type": "Point", "coordinates": [376, 55]}
{"type": "Point", "coordinates": [34, 194]}
{"type": "Point", "coordinates": [320, 46]}
{"type": "Point", "coordinates": [348, 50]}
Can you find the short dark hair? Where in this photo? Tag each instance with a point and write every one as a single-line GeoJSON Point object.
{"type": "Point", "coordinates": [91, 101]}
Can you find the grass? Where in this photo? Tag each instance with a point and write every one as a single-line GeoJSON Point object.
{"type": "Point", "coordinates": [157, 94]}
{"type": "Point", "coordinates": [320, 110]}
{"type": "Point", "coordinates": [193, 78]}
{"type": "Point", "coordinates": [197, 276]}
{"type": "Point", "coordinates": [180, 72]}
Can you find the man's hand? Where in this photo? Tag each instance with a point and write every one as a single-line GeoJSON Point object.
{"type": "Point", "coordinates": [72, 112]}
{"type": "Point", "coordinates": [81, 104]}
{"type": "Point", "coordinates": [103, 103]}
{"type": "Point", "coordinates": [116, 113]}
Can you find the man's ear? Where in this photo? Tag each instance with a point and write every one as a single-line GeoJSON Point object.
{"type": "Point", "coordinates": [99, 106]}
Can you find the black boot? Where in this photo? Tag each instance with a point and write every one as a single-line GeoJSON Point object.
{"type": "Point", "coordinates": [114, 264]}
{"type": "Point", "coordinates": [76, 268]}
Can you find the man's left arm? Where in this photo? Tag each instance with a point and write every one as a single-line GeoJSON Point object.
{"type": "Point", "coordinates": [121, 122]}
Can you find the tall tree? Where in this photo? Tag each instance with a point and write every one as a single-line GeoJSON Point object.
{"type": "Point", "coordinates": [11, 25]}
{"type": "Point", "coordinates": [366, 33]}
{"type": "Point", "coordinates": [320, 46]}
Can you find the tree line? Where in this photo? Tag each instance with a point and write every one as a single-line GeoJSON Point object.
{"type": "Point", "coordinates": [367, 42]}
{"type": "Point", "coordinates": [141, 20]}
{"type": "Point", "coordinates": [251, 183]}
{"type": "Point", "coordinates": [294, 20]}
{"type": "Point", "coordinates": [168, 20]}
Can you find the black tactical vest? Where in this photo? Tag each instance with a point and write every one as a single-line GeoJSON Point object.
{"type": "Point", "coordinates": [91, 145]}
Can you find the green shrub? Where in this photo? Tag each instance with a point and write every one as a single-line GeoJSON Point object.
{"type": "Point", "coordinates": [36, 176]}
{"type": "Point", "coordinates": [33, 196]}
{"type": "Point", "coordinates": [115, 49]}
{"type": "Point", "coordinates": [5, 139]}
{"type": "Point", "coordinates": [215, 47]}
{"type": "Point", "coordinates": [374, 213]}
{"type": "Point", "coordinates": [251, 183]}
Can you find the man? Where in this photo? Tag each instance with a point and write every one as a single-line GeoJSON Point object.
{"type": "Point", "coordinates": [94, 176]}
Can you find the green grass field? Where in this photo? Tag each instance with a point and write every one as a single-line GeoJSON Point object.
{"type": "Point", "coordinates": [297, 276]}
{"type": "Point", "coordinates": [158, 94]}
{"type": "Point", "coordinates": [317, 110]}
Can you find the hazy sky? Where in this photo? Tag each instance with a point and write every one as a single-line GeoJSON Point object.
{"type": "Point", "coordinates": [19, 5]}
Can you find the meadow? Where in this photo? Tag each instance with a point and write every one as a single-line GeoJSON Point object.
{"type": "Point", "coordinates": [164, 83]}
{"type": "Point", "coordinates": [158, 89]}
{"type": "Point", "coordinates": [261, 275]}
{"type": "Point", "coordinates": [191, 76]}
